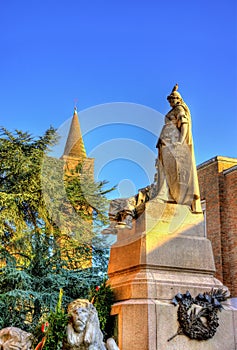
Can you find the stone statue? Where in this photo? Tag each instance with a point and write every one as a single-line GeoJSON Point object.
{"type": "Point", "coordinates": [13, 338]}
{"type": "Point", "coordinates": [176, 177]}
{"type": "Point", "coordinates": [83, 331]}
{"type": "Point", "coordinates": [176, 169]}
{"type": "Point", "coordinates": [123, 210]}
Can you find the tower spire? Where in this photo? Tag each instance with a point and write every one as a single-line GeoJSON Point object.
{"type": "Point", "coordinates": [75, 147]}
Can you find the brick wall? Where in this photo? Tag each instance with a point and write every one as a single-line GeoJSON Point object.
{"type": "Point", "coordinates": [229, 230]}
{"type": "Point", "coordinates": [218, 188]}
{"type": "Point", "coordinates": [209, 191]}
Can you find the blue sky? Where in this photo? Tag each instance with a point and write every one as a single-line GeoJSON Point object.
{"type": "Point", "coordinates": [102, 52]}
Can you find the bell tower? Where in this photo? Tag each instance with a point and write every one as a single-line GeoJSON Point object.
{"type": "Point", "coordinates": [77, 164]}
{"type": "Point", "coordinates": [75, 152]}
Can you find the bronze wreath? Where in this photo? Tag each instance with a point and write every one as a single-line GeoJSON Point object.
{"type": "Point", "coordinates": [190, 318]}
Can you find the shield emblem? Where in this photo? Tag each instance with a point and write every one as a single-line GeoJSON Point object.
{"type": "Point", "coordinates": [177, 162]}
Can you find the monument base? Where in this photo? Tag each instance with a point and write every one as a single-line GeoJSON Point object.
{"type": "Point", "coordinates": [165, 253]}
{"type": "Point", "coordinates": [148, 324]}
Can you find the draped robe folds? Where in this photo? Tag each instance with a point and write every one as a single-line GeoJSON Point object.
{"type": "Point", "coordinates": [176, 168]}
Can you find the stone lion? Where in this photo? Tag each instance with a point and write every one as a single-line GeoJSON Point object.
{"type": "Point", "coordinates": [83, 330]}
{"type": "Point", "coordinates": [13, 338]}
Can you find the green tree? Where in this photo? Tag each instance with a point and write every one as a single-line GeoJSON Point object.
{"type": "Point", "coordinates": [22, 207]}
{"type": "Point", "coordinates": [46, 229]}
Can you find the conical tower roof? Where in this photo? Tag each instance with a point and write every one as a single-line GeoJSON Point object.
{"type": "Point", "coordinates": [75, 146]}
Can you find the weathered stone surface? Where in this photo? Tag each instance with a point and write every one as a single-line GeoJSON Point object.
{"type": "Point", "coordinates": [167, 326]}
{"type": "Point", "coordinates": [13, 338]}
{"type": "Point", "coordinates": [83, 330]}
{"type": "Point", "coordinates": [166, 237]}
{"type": "Point", "coordinates": [148, 324]}
{"type": "Point", "coordinates": [166, 252]}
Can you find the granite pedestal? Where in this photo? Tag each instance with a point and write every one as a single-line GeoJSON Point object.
{"type": "Point", "coordinates": [165, 252]}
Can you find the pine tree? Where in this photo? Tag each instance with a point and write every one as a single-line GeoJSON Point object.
{"type": "Point", "coordinates": [46, 230]}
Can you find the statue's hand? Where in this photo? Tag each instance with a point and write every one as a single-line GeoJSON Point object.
{"type": "Point", "coordinates": [160, 143]}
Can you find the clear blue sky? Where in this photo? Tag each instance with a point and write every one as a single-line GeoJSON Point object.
{"type": "Point", "coordinates": [53, 52]}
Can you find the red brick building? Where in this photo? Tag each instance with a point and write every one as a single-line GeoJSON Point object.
{"type": "Point", "coordinates": [218, 188]}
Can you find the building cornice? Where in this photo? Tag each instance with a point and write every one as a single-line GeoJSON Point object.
{"type": "Point", "coordinates": [217, 159]}
{"type": "Point", "coordinates": [230, 170]}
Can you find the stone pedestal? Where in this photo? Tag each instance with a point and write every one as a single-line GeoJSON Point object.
{"type": "Point", "coordinates": [166, 252]}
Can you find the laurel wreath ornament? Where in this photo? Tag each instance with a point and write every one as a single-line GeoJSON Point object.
{"type": "Point", "coordinates": [198, 317]}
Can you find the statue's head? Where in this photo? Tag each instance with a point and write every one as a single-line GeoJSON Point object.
{"type": "Point", "coordinates": [175, 96]}
{"type": "Point", "coordinates": [80, 311]}
{"type": "Point", "coordinates": [84, 326]}
{"type": "Point", "coordinates": [83, 331]}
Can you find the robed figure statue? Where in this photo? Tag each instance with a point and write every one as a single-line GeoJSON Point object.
{"type": "Point", "coordinates": [176, 178]}
{"type": "Point", "coordinates": [176, 169]}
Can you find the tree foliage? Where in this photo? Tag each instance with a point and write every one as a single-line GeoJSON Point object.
{"type": "Point", "coordinates": [103, 298]}
{"type": "Point", "coordinates": [21, 203]}
{"type": "Point", "coordinates": [55, 327]}
{"type": "Point", "coordinates": [48, 237]}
